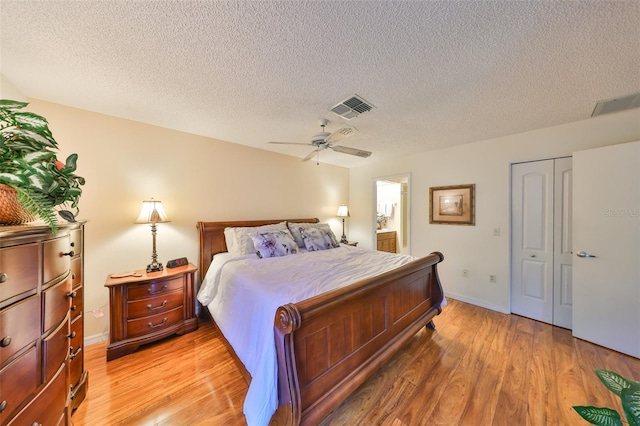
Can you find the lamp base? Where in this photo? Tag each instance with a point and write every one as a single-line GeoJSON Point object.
{"type": "Point", "coordinates": [154, 267]}
{"type": "Point", "coordinates": [344, 240]}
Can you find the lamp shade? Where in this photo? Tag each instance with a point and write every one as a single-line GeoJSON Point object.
{"type": "Point", "coordinates": [343, 211]}
{"type": "Point", "coordinates": [152, 212]}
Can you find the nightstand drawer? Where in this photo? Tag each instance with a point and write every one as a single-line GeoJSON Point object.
{"type": "Point", "coordinates": [154, 288]}
{"type": "Point", "coordinates": [154, 323]}
{"type": "Point", "coordinates": [156, 305]}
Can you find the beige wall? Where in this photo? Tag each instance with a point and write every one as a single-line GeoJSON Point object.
{"type": "Point", "coordinates": [197, 178]}
{"type": "Point", "coordinates": [487, 164]}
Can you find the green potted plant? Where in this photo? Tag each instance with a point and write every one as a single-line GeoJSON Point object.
{"type": "Point", "coordinates": [33, 183]}
{"type": "Point", "coordinates": [629, 393]}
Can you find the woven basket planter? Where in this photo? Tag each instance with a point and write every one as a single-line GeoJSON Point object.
{"type": "Point", "coordinates": [11, 211]}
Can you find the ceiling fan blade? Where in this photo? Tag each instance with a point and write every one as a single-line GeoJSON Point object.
{"type": "Point", "coordinates": [341, 133]}
{"type": "Point", "coordinates": [311, 155]}
{"type": "Point", "coordinates": [290, 143]}
{"type": "Point", "coordinates": [352, 151]}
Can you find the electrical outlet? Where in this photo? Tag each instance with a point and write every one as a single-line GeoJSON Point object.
{"type": "Point", "coordinates": [492, 278]}
{"type": "Point", "coordinates": [465, 272]}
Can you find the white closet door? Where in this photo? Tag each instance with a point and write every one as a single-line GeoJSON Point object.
{"type": "Point", "coordinates": [562, 249]}
{"type": "Point", "coordinates": [532, 240]}
{"type": "Point", "coordinates": [606, 224]}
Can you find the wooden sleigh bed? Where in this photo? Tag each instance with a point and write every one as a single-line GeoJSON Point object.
{"type": "Point", "coordinates": [330, 344]}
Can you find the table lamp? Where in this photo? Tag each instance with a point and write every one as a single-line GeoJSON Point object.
{"type": "Point", "coordinates": [343, 211]}
{"type": "Point", "coordinates": [153, 213]}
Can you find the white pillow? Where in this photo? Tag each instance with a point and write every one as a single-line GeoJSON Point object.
{"type": "Point", "coordinates": [318, 238]}
{"type": "Point", "coordinates": [239, 242]}
{"type": "Point", "coordinates": [273, 243]}
{"type": "Point", "coordinates": [295, 230]}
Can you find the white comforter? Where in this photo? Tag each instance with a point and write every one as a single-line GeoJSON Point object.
{"type": "Point", "coordinates": [243, 293]}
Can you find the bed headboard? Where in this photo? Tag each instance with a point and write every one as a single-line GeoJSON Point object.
{"type": "Point", "coordinates": [211, 236]}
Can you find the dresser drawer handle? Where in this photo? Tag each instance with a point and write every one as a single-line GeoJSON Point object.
{"type": "Point", "coordinates": [72, 294]}
{"type": "Point", "coordinates": [152, 308]}
{"type": "Point", "coordinates": [36, 424]}
{"type": "Point", "coordinates": [73, 276]}
{"type": "Point", "coordinates": [164, 287]}
{"type": "Point", "coordinates": [72, 335]}
{"type": "Point", "coordinates": [70, 253]}
{"type": "Point", "coordinates": [3, 405]}
{"type": "Point", "coordinates": [73, 354]}
{"type": "Point", "coordinates": [151, 325]}
{"type": "Point", "coordinates": [5, 342]}
{"type": "Point", "coordinates": [3, 277]}
{"type": "Point", "coordinates": [73, 308]}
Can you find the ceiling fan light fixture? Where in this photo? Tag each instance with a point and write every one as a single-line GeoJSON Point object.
{"type": "Point", "coordinates": [352, 107]}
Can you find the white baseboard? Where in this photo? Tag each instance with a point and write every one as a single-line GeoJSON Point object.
{"type": "Point", "coordinates": [477, 303]}
{"type": "Point", "coordinates": [96, 338]}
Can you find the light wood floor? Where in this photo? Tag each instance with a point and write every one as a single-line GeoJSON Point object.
{"type": "Point", "coordinates": [479, 367]}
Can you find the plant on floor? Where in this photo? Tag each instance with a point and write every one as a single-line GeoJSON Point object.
{"type": "Point", "coordinates": [629, 393]}
{"type": "Point", "coordinates": [28, 165]}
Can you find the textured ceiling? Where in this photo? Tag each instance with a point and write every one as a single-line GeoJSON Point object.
{"type": "Point", "coordinates": [439, 73]}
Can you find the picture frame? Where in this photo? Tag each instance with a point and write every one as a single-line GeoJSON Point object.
{"type": "Point", "coordinates": [452, 205]}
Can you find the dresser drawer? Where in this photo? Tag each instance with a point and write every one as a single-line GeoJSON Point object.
{"type": "Point", "coordinates": [77, 302]}
{"type": "Point", "coordinates": [76, 242]}
{"type": "Point", "coordinates": [17, 271]}
{"type": "Point", "coordinates": [75, 357]}
{"type": "Point", "coordinates": [154, 305]}
{"type": "Point", "coordinates": [21, 377]}
{"type": "Point", "coordinates": [19, 326]}
{"type": "Point", "coordinates": [56, 258]}
{"type": "Point", "coordinates": [76, 270]}
{"type": "Point", "coordinates": [154, 323]}
{"type": "Point", "coordinates": [140, 291]}
{"type": "Point", "coordinates": [57, 302]}
{"type": "Point", "coordinates": [55, 349]}
{"type": "Point", "coordinates": [49, 406]}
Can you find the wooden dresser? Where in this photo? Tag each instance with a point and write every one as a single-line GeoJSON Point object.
{"type": "Point", "coordinates": [42, 376]}
{"type": "Point", "coordinates": [387, 241]}
{"type": "Point", "coordinates": [145, 307]}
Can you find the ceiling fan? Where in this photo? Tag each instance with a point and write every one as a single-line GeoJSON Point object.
{"type": "Point", "coordinates": [323, 140]}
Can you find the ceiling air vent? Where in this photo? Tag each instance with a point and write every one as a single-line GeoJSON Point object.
{"type": "Point", "coordinates": [352, 107]}
{"type": "Point", "coordinates": [617, 104]}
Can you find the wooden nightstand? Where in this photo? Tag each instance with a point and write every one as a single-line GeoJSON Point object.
{"type": "Point", "coordinates": [145, 307]}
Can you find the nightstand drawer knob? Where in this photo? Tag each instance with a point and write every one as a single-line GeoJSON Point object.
{"type": "Point", "coordinates": [151, 325]}
{"type": "Point", "coordinates": [70, 253]}
{"type": "Point", "coordinates": [3, 405]}
{"type": "Point", "coordinates": [72, 294]}
{"type": "Point", "coordinates": [155, 308]}
{"type": "Point", "coordinates": [5, 342]}
{"type": "Point", "coordinates": [3, 277]}
{"type": "Point", "coordinates": [72, 335]}
{"type": "Point", "coordinates": [150, 291]}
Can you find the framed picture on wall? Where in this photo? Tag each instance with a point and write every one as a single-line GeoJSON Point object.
{"type": "Point", "coordinates": [452, 205]}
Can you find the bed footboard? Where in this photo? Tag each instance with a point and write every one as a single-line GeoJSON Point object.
{"type": "Point", "coordinates": [330, 344]}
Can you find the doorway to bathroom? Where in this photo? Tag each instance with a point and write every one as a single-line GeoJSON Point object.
{"type": "Point", "coordinates": [391, 214]}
